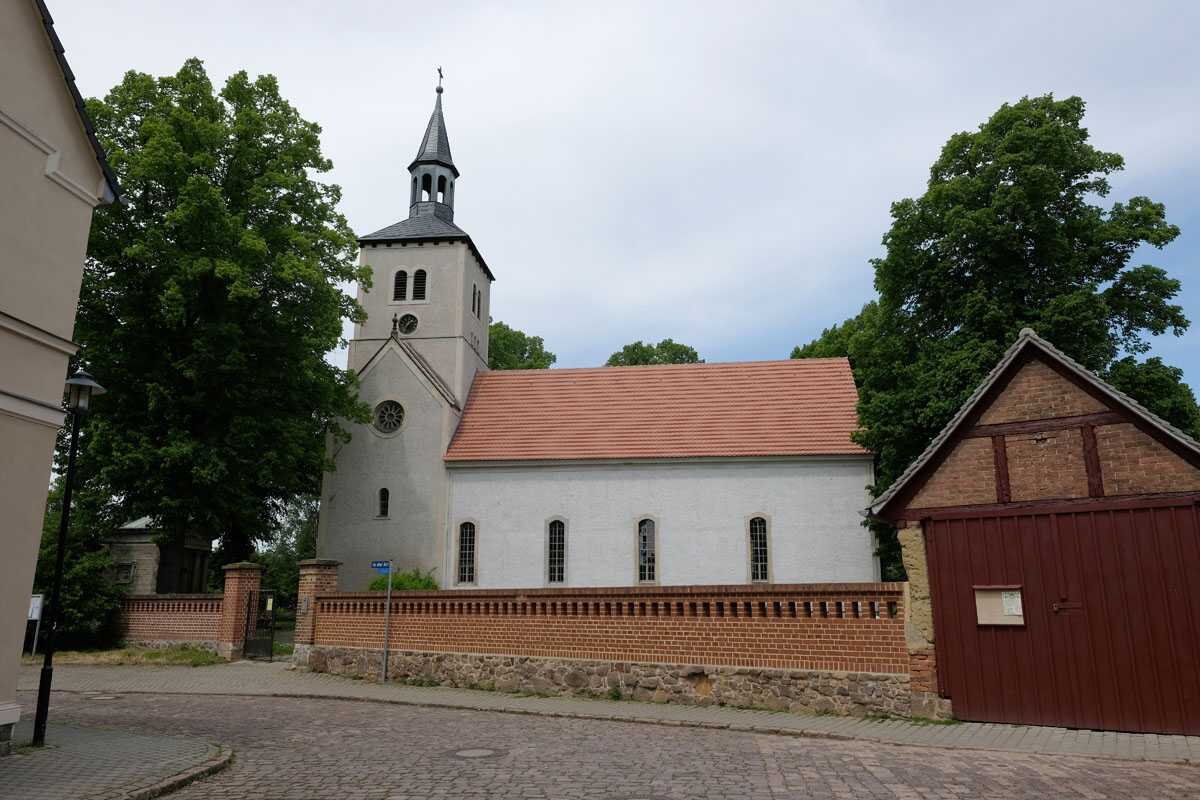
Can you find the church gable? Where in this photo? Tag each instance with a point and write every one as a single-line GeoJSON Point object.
{"type": "Point", "coordinates": [1042, 428]}
{"type": "Point", "coordinates": [419, 367]}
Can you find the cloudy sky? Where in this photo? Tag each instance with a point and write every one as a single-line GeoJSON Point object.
{"type": "Point", "coordinates": [719, 173]}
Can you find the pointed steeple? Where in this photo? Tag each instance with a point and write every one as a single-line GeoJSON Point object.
{"type": "Point", "coordinates": [435, 147]}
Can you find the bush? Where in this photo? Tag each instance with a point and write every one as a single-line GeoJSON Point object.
{"type": "Point", "coordinates": [91, 602]}
{"type": "Point", "coordinates": [411, 581]}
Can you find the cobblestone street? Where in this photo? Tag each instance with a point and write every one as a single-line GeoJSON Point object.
{"type": "Point", "coordinates": [318, 748]}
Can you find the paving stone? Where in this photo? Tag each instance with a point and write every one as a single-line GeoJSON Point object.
{"type": "Point", "coordinates": [90, 762]}
{"type": "Point", "coordinates": [262, 678]}
{"type": "Point", "coordinates": [320, 748]}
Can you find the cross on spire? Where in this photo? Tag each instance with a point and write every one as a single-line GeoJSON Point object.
{"type": "Point", "coordinates": [439, 86]}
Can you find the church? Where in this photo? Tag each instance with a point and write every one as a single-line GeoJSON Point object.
{"type": "Point", "coordinates": [685, 474]}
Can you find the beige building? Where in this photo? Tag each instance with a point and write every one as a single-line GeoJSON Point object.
{"type": "Point", "coordinates": [54, 174]}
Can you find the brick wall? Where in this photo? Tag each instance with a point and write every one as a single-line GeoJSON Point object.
{"type": "Point", "coordinates": [851, 627]}
{"type": "Point", "coordinates": [968, 475]}
{"type": "Point", "coordinates": [1132, 462]}
{"type": "Point", "coordinates": [1045, 465]}
{"type": "Point", "coordinates": [1038, 392]}
{"type": "Point", "coordinates": [171, 618]}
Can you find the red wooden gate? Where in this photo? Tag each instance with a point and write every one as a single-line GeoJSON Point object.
{"type": "Point", "coordinates": [1111, 602]}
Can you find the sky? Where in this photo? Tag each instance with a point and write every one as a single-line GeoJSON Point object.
{"type": "Point", "coordinates": [717, 173]}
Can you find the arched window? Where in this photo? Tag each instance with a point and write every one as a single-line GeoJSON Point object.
{"type": "Point", "coordinates": [441, 195]}
{"type": "Point", "coordinates": [475, 299]}
{"type": "Point", "coordinates": [400, 286]}
{"type": "Point", "coordinates": [556, 551]}
{"type": "Point", "coordinates": [383, 502]}
{"type": "Point", "coordinates": [419, 285]}
{"type": "Point", "coordinates": [413, 197]}
{"type": "Point", "coordinates": [647, 552]}
{"type": "Point", "coordinates": [759, 564]}
{"type": "Point", "coordinates": [426, 187]}
{"type": "Point", "coordinates": [466, 552]}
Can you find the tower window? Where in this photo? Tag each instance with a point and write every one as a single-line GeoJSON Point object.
{"type": "Point", "coordinates": [400, 286]}
{"type": "Point", "coordinates": [556, 551]}
{"type": "Point", "coordinates": [475, 299]}
{"type": "Point", "coordinates": [389, 416]}
{"type": "Point", "coordinates": [413, 198]}
{"type": "Point", "coordinates": [466, 552]}
{"type": "Point", "coordinates": [383, 502]}
{"type": "Point", "coordinates": [419, 285]}
{"type": "Point", "coordinates": [426, 187]}
{"type": "Point", "coordinates": [441, 195]}
{"type": "Point", "coordinates": [647, 552]}
{"type": "Point", "coordinates": [758, 550]}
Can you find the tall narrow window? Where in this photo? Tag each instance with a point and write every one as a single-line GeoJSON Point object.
{"type": "Point", "coordinates": [758, 550]}
{"type": "Point", "coordinates": [400, 286]}
{"type": "Point", "coordinates": [647, 552]}
{"type": "Point", "coordinates": [475, 299]}
{"type": "Point", "coordinates": [556, 551]}
{"type": "Point", "coordinates": [441, 195]}
{"type": "Point", "coordinates": [466, 552]}
{"type": "Point", "coordinates": [426, 187]}
{"type": "Point", "coordinates": [419, 285]}
{"type": "Point", "coordinates": [413, 199]}
{"type": "Point", "coordinates": [383, 502]}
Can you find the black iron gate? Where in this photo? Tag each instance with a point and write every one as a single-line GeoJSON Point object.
{"type": "Point", "coordinates": [260, 625]}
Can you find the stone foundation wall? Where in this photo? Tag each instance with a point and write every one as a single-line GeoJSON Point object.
{"type": "Point", "coordinates": [797, 690]}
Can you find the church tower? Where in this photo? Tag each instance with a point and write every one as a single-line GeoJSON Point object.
{"type": "Point", "coordinates": [423, 341]}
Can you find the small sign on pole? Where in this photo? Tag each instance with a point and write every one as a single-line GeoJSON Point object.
{"type": "Point", "coordinates": [385, 566]}
{"type": "Point", "coordinates": [35, 615]}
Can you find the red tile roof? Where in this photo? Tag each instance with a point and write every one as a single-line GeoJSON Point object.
{"type": "Point", "coordinates": [762, 408]}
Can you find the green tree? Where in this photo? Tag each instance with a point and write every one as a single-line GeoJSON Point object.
{"type": "Point", "coordinates": [1160, 388]}
{"type": "Point", "coordinates": [293, 539]}
{"type": "Point", "coordinates": [90, 599]}
{"type": "Point", "coordinates": [509, 348]}
{"type": "Point", "coordinates": [665, 352]}
{"type": "Point", "coordinates": [210, 298]}
{"type": "Point", "coordinates": [1007, 235]}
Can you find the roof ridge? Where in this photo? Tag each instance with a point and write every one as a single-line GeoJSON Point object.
{"type": "Point", "coordinates": [697, 365]}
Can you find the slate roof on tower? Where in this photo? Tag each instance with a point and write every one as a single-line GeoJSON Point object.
{"type": "Point", "coordinates": [799, 407]}
{"type": "Point", "coordinates": [435, 147]}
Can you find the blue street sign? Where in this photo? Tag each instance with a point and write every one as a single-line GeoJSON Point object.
{"type": "Point", "coordinates": [382, 567]}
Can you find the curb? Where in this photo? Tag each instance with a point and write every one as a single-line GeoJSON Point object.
{"type": "Point", "coordinates": [220, 758]}
{"type": "Point", "coordinates": [737, 727]}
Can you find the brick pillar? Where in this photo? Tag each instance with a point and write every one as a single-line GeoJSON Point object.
{"type": "Point", "coordinates": [241, 579]}
{"type": "Point", "coordinates": [317, 576]}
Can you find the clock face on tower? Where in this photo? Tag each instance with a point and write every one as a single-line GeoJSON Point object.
{"type": "Point", "coordinates": [407, 324]}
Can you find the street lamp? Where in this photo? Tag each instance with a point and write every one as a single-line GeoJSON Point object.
{"type": "Point", "coordinates": [80, 388]}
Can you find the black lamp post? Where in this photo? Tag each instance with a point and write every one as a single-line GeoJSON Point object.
{"type": "Point", "coordinates": [80, 388]}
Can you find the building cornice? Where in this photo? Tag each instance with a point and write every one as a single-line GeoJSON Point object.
{"type": "Point", "coordinates": [31, 410]}
{"type": "Point", "coordinates": [53, 156]}
{"type": "Point", "coordinates": [40, 335]}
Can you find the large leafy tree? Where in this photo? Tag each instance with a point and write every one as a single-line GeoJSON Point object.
{"type": "Point", "coordinates": [1009, 233]}
{"type": "Point", "coordinates": [640, 353]}
{"type": "Point", "coordinates": [210, 298]}
{"type": "Point", "coordinates": [509, 348]}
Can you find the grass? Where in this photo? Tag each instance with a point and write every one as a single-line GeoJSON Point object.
{"type": "Point", "coordinates": [283, 649]}
{"type": "Point", "coordinates": [176, 655]}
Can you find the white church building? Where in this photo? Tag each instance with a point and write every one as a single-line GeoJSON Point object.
{"type": "Point", "coordinates": [614, 476]}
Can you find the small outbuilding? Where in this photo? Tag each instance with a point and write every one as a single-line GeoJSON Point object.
{"type": "Point", "coordinates": [146, 563]}
{"type": "Point", "coordinates": [1051, 534]}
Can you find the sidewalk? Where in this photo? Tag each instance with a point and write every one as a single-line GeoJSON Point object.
{"type": "Point", "coordinates": [98, 764]}
{"type": "Point", "coordinates": [278, 679]}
